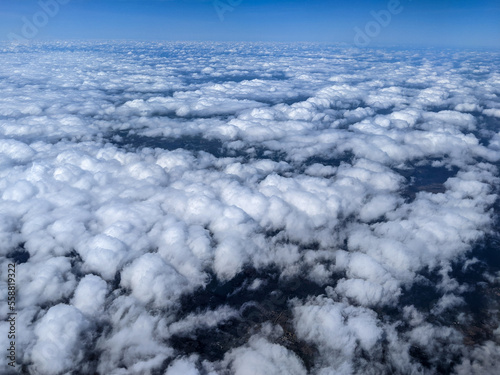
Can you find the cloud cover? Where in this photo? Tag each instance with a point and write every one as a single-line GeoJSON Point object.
{"type": "Point", "coordinates": [160, 190]}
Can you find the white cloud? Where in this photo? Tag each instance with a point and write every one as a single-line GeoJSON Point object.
{"type": "Point", "coordinates": [260, 356]}
{"type": "Point", "coordinates": [90, 295]}
{"type": "Point", "coordinates": [60, 345]}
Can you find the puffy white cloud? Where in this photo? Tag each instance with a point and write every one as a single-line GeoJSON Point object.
{"type": "Point", "coordinates": [90, 295]}
{"type": "Point", "coordinates": [338, 330]}
{"type": "Point", "coordinates": [103, 254]}
{"type": "Point", "coordinates": [45, 282]}
{"type": "Point", "coordinates": [60, 344]}
{"type": "Point", "coordinates": [183, 366]}
{"type": "Point", "coordinates": [135, 344]}
{"type": "Point", "coordinates": [17, 152]}
{"type": "Point", "coordinates": [260, 356]}
{"type": "Point", "coordinates": [495, 112]}
{"type": "Point", "coordinates": [151, 279]}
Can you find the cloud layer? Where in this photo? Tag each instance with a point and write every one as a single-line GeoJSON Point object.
{"type": "Point", "coordinates": [250, 208]}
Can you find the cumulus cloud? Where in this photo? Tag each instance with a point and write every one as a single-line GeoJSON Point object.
{"type": "Point", "coordinates": [90, 295]}
{"type": "Point", "coordinates": [340, 331]}
{"type": "Point", "coordinates": [59, 346]}
{"type": "Point", "coordinates": [262, 357]}
{"type": "Point", "coordinates": [149, 190]}
{"type": "Point", "coordinates": [153, 280]}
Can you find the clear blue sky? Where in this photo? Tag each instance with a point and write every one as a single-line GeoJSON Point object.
{"type": "Point", "coordinates": [467, 23]}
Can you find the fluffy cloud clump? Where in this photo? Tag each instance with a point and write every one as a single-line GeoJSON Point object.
{"type": "Point", "coordinates": [190, 208]}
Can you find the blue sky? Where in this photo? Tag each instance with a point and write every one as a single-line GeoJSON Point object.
{"type": "Point", "coordinates": [455, 23]}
